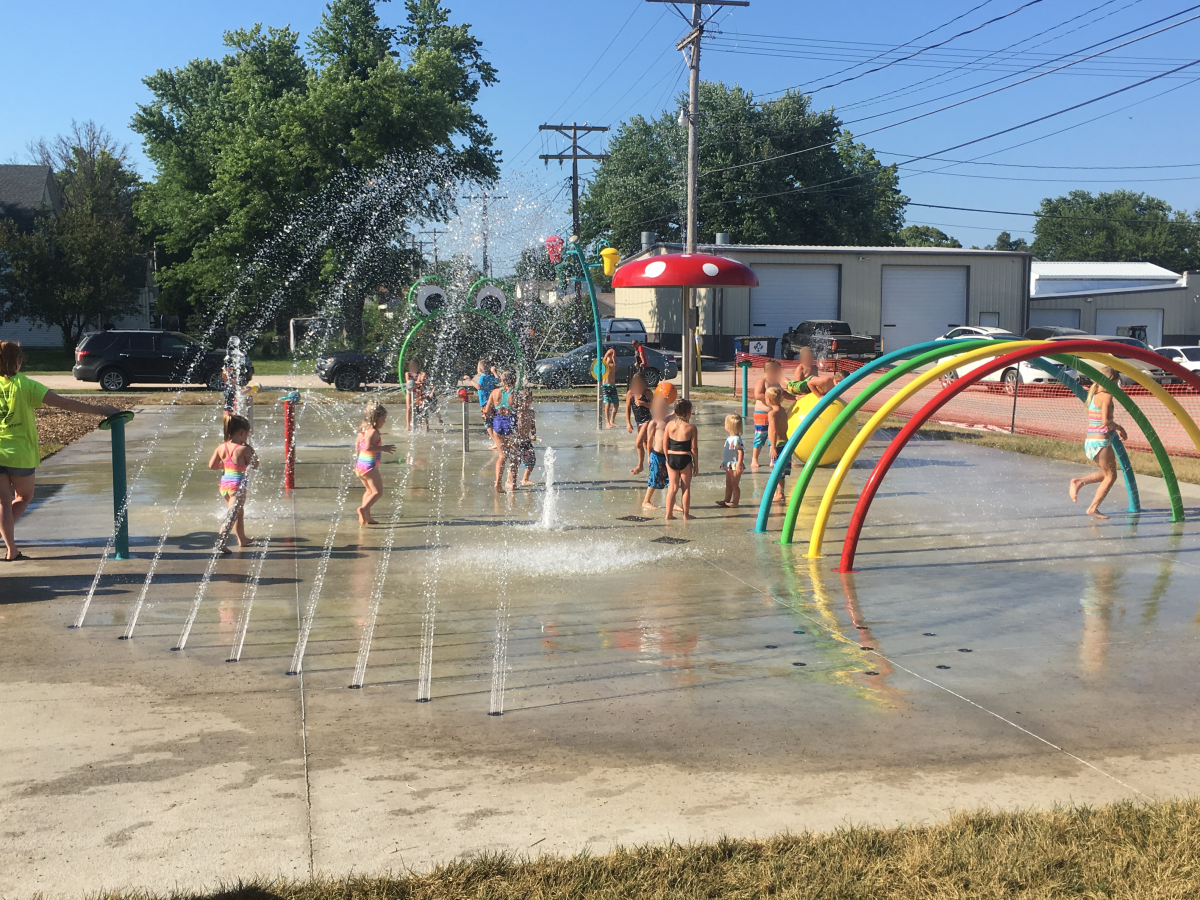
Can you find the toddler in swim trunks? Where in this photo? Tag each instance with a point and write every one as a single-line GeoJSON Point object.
{"type": "Point", "coordinates": [660, 412]}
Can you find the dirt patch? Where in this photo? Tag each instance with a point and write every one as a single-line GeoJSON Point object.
{"type": "Point", "coordinates": [57, 427]}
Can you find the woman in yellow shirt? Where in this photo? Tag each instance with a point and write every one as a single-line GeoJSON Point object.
{"type": "Point", "coordinates": [19, 455]}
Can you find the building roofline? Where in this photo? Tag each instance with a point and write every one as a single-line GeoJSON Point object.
{"type": "Point", "coordinates": [821, 248]}
{"type": "Point", "coordinates": [1108, 292]}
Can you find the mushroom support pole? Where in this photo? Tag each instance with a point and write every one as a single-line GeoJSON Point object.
{"type": "Point", "coordinates": [889, 456]}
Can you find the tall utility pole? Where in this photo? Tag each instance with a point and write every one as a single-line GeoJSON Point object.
{"type": "Point", "coordinates": [434, 233]}
{"type": "Point", "coordinates": [576, 153]}
{"type": "Point", "coordinates": [485, 196]}
{"type": "Point", "coordinates": [692, 41]}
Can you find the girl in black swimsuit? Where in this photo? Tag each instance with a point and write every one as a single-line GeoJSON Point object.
{"type": "Point", "coordinates": [637, 403]}
{"type": "Point", "coordinates": [681, 445]}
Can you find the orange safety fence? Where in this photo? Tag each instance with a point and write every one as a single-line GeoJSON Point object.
{"type": "Point", "coordinates": [1042, 410]}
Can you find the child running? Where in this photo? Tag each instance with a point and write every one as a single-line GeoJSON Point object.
{"type": "Point", "coordinates": [777, 435]}
{"type": "Point", "coordinates": [1098, 445]}
{"type": "Point", "coordinates": [370, 447]}
{"type": "Point", "coordinates": [733, 461]}
{"type": "Point", "coordinates": [609, 387]}
{"type": "Point", "coordinates": [501, 405]}
{"type": "Point", "coordinates": [484, 383]}
{"type": "Point", "coordinates": [526, 434]}
{"type": "Point", "coordinates": [234, 457]}
{"type": "Point", "coordinates": [656, 480]}
{"type": "Point", "coordinates": [637, 403]}
{"type": "Point", "coordinates": [683, 458]}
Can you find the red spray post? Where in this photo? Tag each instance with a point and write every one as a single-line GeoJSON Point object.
{"type": "Point", "coordinates": [289, 439]}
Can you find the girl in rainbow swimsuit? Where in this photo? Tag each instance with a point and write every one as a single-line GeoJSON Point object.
{"type": "Point", "coordinates": [234, 458]}
{"type": "Point", "coordinates": [1098, 444]}
{"type": "Point", "coordinates": [370, 447]}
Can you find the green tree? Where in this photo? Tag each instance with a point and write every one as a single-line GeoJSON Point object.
{"type": "Point", "coordinates": [1005, 241]}
{"type": "Point", "coordinates": [243, 143]}
{"type": "Point", "coordinates": [1121, 226]}
{"type": "Point", "coordinates": [925, 236]}
{"type": "Point", "coordinates": [770, 172]}
{"type": "Point", "coordinates": [81, 268]}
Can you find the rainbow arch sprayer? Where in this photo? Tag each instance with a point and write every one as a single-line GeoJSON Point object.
{"type": "Point", "coordinates": [824, 423]}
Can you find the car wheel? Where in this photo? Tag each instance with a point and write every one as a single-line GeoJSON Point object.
{"type": "Point", "coordinates": [786, 351]}
{"type": "Point", "coordinates": [949, 378]}
{"type": "Point", "coordinates": [653, 377]}
{"type": "Point", "coordinates": [113, 380]}
{"type": "Point", "coordinates": [216, 381]}
{"type": "Point", "coordinates": [1011, 379]}
{"type": "Point", "coordinates": [347, 380]}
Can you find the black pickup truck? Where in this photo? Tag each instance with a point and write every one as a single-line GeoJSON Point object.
{"type": "Point", "coordinates": [829, 338]}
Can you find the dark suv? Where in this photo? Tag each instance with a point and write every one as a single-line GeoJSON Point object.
{"type": "Point", "coordinates": [347, 369]}
{"type": "Point", "coordinates": [118, 359]}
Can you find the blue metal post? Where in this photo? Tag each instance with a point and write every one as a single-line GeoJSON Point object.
{"type": "Point", "coordinates": [745, 364]}
{"type": "Point", "coordinates": [120, 489]}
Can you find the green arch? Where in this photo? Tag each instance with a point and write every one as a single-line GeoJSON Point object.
{"type": "Point", "coordinates": [423, 321]}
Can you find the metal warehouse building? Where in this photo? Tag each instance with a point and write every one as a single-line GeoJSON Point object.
{"type": "Point", "coordinates": [1103, 297]}
{"type": "Point", "coordinates": [900, 295]}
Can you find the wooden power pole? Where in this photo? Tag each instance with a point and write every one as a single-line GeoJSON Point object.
{"type": "Point", "coordinates": [575, 154]}
{"type": "Point", "coordinates": [691, 41]}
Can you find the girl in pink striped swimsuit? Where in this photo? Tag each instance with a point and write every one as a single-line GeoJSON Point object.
{"type": "Point", "coordinates": [1098, 445]}
{"type": "Point", "coordinates": [370, 447]}
{"type": "Point", "coordinates": [234, 458]}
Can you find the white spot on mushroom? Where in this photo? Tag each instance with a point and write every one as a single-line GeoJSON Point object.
{"type": "Point", "coordinates": [655, 269]}
{"type": "Point", "coordinates": [710, 270]}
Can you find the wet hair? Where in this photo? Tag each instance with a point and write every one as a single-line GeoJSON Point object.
{"type": "Point", "coordinates": [234, 424]}
{"type": "Point", "coordinates": [10, 358]}
{"type": "Point", "coordinates": [371, 416]}
{"type": "Point", "coordinates": [683, 408]}
{"type": "Point", "coordinates": [774, 394]}
{"type": "Point", "coordinates": [1108, 372]}
{"type": "Point", "coordinates": [733, 423]}
{"type": "Point", "coordinates": [772, 364]}
{"type": "Point", "coordinates": [508, 379]}
{"type": "Point", "coordinates": [638, 376]}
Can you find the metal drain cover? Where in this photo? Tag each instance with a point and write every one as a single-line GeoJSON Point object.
{"type": "Point", "coordinates": [670, 540]}
{"type": "Point", "coordinates": [632, 519]}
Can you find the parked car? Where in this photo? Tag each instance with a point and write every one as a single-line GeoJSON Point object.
{"type": "Point", "coordinates": [624, 331]}
{"type": "Point", "coordinates": [1022, 373]}
{"type": "Point", "coordinates": [346, 370]}
{"type": "Point", "coordinates": [117, 359]}
{"type": "Point", "coordinates": [1124, 380]}
{"type": "Point", "coordinates": [1187, 356]}
{"type": "Point", "coordinates": [1045, 332]}
{"type": "Point", "coordinates": [829, 338]}
{"type": "Point", "coordinates": [575, 367]}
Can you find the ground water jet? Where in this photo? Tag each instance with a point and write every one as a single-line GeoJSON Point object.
{"type": "Point", "coordinates": [549, 520]}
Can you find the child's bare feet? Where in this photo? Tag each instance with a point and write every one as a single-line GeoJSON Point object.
{"type": "Point", "coordinates": [670, 518]}
{"type": "Point", "coordinates": [362, 519]}
{"type": "Point", "coordinates": [1073, 490]}
{"type": "Point", "coordinates": [687, 517]}
{"type": "Point", "coordinates": [754, 465]}
{"type": "Point", "coordinates": [724, 504]}
{"type": "Point", "coordinates": [636, 471]}
{"type": "Point", "coordinates": [525, 482]}
{"type": "Point", "coordinates": [649, 506]}
{"type": "Point", "coordinates": [246, 542]}
{"type": "Point", "coordinates": [1096, 514]}
{"type": "Point", "coordinates": [221, 546]}
{"type": "Point", "coordinates": [499, 489]}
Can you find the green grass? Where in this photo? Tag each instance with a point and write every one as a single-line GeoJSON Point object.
{"type": "Point", "coordinates": [284, 366]}
{"type": "Point", "coordinates": [42, 359]}
{"type": "Point", "coordinates": [1146, 851]}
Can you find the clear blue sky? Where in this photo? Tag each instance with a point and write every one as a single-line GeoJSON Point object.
{"type": "Point", "coordinates": [70, 59]}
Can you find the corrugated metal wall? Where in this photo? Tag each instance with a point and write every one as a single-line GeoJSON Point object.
{"type": "Point", "coordinates": [1181, 311]}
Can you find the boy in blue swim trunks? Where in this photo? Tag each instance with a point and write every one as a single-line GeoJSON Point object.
{"type": "Point", "coordinates": [656, 480]}
{"type": "Point", "coordinates": [608, 388]}
{"type": "Point", "coordinates": [772, 377]}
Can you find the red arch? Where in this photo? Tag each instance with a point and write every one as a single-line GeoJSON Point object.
{"type": "Point", "coordinates": [850, 545]}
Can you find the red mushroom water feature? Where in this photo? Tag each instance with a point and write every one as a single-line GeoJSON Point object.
{"type": "Point", "coordinates": [685, 271]}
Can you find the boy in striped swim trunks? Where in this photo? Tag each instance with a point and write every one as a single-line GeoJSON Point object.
{"type": "Point", "coordinates": [772, 377]}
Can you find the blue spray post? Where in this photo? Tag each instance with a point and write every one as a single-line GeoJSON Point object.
{"type": "Point", "coordinates": [115, 426]}
{"type": "Point", "coordinates": [745, 366]}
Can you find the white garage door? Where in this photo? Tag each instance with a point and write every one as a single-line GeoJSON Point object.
{"type": "Point", "coordinates": [921, 303]}
{"type": "Point", "coordinates": [787, 295]}
{"type": "Point", "coordinates": [1066, 318]}
{"type": "Point", "coordinates": [1109, 320]}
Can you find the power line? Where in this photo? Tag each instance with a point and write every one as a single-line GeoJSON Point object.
{"type": "Point", "coordinates": [1006, 212]}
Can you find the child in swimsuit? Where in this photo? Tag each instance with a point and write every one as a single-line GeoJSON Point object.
{"type": "Point", "coordinates": [234, 457]}
{"type": "Point", "coordinates": [608, 387]}
{"type": "Point", "coordinates": [777, 435]}
{"type": "Point", "coordinates": [484, 383]}
{"type": "Point", "coordinates": [370, 447]}
{"type": "Point", "coordinates": [772, 377]}
{"type": "Point", "coordinates": [682, 441]}
{"type": "Point", "coordinates": [1099, 445]}
{"type": "Point", "coordinates": [657, 479]}
{"type": "Point", "coordinates": [637, 404]}
{"type": "Point", "coordinates": [502, 405]}
{"type": "Point", "coordinates": [733, 461]}
{"type": "Point", "coordinates": [526, 434]}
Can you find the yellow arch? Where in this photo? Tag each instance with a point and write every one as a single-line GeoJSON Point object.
{"type": "Point", "coordinates": [896, 400]}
